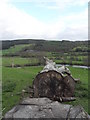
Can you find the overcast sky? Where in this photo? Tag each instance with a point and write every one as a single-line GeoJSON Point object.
{"type": "Point", "coordinates": [44, 19]}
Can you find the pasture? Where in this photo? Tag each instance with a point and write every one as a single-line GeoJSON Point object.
{"type": "Point", "coordinates": [17, 79]}
{"type": "Point", "coordinates": [62, 55]}
{"type": "Point", "coordinates": [15, 49]}
{"type": "Point", "coordinates": [7, 61]}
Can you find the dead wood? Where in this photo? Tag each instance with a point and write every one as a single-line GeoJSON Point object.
{"type": "Point", "coordinates": [53, 85]}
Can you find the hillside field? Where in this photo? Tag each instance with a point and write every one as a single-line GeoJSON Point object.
{"type": "Point", "coordinates": [62, 52]}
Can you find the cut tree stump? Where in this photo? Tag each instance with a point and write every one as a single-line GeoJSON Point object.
{"type": "Point", "coordinates": [53, 85]}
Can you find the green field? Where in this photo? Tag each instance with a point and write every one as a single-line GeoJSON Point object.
{"type": "Point", "coordinates": [7, 61]}
{"type": "Point", "coordinates": [31, 53]}
{"type": "Point", "coordinates": [14, 49]}
{"type": "Point", "coordinates": [17, 60]}
{"type": "Point", "coordinates": [14, 80]}
{"type": "Point", "coordinates": [81, 92]}
{"type": "Point", "coordinates": [17, 79]}
{"type": "Point", "coordinates": [37, 51]}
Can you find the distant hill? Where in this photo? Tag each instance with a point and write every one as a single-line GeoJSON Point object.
{"type": "Point", "coordinates": [66, 52]}
{"type": "Point", "coordinates": [50, 46]}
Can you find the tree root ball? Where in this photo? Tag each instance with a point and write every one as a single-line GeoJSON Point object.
{"type": "Point", "coordinates": [53, 85]}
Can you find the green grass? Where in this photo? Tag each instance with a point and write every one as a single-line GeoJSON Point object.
{"type": "Point", "coordinates": [16, 79]}
{"type": "Point", "coordinates": [78, 58]}
{"type": "Point", "coordinates": [80, 73]}
{"type": "Point", "coordinates": [69, 58]}
{"type": "Point", "coordinates": [67, 61]}
{"type": "Point", "coordinates": [7, 61]}
{"type": "Point", "coordinates": [81, 90]}
{"type": "Point", "coordinates": [15, 49]}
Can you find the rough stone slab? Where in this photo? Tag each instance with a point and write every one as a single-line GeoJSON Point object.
{"type": "Point", "coordinates": [45, 108]}
{"type": "Point", "coordinates": [78, 112]}
{"type": "Point", "coordinates": [35, 101]}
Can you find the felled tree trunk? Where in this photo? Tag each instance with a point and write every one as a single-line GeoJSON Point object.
{"type": "Point", "coordinates": [53, 85]}
{"type": "Point", "coordinates": [52, 82]}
